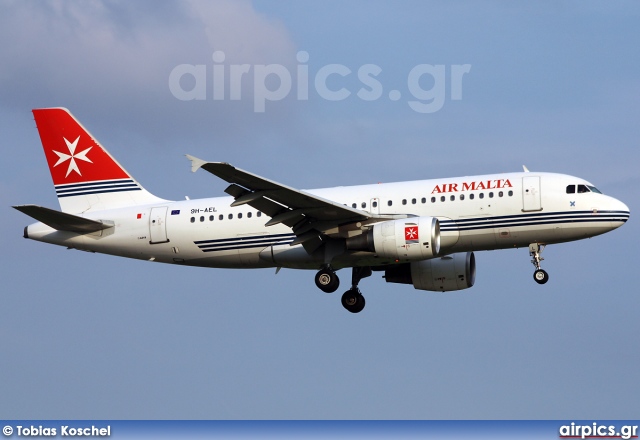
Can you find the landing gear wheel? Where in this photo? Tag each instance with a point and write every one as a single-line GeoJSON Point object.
{"type": "Point", "coordinates": [327, 280]}
{"type": "Point", "coordinates": [353, 301]}
{"type": "Point", "coordinates": [540, 276]}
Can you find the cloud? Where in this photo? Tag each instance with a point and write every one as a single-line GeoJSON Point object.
{"type": "Point", "coordinates": [113, 59]}
{"type": "Point", "coordinates": [246, 36]}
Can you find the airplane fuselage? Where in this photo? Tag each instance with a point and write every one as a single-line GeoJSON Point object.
{"type": "Point", "coordinates": [476, 213]}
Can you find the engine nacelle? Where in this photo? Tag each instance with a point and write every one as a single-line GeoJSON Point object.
{"type": "Point", "coordinates": [416, 238]}
{"type": "Point", "coordinates": [445, 274]}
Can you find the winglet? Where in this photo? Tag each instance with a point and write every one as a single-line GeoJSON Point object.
{"type": "Point", "coordinates": [195, 162]}
{"type": "Point", "coordinates": [526, 170]}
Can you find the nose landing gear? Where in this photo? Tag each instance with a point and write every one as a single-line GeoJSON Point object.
{"type": "Point", "coordinates": [540, 276]}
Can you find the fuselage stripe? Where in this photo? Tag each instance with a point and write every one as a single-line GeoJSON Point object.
{"type": "Point", "coordinates": [241, 239]}
{"type": "Point", "coordinates": [83, 192]}
{"type": "Point", "coordinates": [248, 242]}
{"type": "Point", "coordinates": [243, 246]}
{"type": "Point", "coordinates": [91, 184]}
{"type": "Point", "coordinates": [538, 215]}
{"type": "Point", "coordinates": [218, 245]}
{"type": "Point", "coordinates": [496, 224]}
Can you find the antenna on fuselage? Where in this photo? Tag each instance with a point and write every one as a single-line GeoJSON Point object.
{"type": "Point", "coordinates": [524, 167]}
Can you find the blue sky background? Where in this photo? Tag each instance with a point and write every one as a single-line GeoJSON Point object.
{"type": "Point", "coordinates": [553, 85]}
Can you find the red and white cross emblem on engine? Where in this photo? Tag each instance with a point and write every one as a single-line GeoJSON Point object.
{"type": "Point", "coordinates": [411, 234]}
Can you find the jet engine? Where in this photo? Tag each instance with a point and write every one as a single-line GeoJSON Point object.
{"type": "Point", "coordinates": [444, 274]}
{"type": "Point", "coordinates": [416, 238]}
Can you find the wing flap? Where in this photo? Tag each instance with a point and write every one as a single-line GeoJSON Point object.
{"type": "Point", "coordinates": [62, 221]}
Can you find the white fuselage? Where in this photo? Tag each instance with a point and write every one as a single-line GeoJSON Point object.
{"type": "Point", "coordinates": [475, 213]}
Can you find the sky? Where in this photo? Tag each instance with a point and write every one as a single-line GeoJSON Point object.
{"type": "Point", "coordinates": [363, 92]}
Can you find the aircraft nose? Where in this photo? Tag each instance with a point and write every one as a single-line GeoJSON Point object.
{"type": "Point", "coordinates": [620, 212]}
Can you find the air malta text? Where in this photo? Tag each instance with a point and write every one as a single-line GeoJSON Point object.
{"type": "Point", "coordinates": [473, 186]}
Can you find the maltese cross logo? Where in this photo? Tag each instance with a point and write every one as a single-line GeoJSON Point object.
{"type": "Point", "coordinates": [72, 157]}
{"type": "Point", "coordinates": [411, 234]}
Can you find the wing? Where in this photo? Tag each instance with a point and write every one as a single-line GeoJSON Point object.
{"type": "Point", "coordinates": [309, 216]}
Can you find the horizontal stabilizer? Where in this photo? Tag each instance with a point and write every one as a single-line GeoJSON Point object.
{"type": "Point", "coordinates": [62, 221]}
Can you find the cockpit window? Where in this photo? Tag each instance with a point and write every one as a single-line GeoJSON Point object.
{"type": "Point", "coordinates": [571, 189]}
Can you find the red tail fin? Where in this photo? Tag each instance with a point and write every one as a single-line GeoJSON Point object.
{"type": "Point", "coordinates": [72, 153]}
{"type": "Point", "coordinates": [85, 175]}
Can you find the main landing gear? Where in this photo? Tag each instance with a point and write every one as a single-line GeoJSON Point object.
{"type": "Point", "coordinates": [540, 276]}
{"type": "Point", "coordinates": [352, 299]}
{"type": "Point", "coordinates": [327, 280]}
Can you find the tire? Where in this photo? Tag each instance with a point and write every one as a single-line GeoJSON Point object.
{"type": "Point", "coordinates": [327, 280]}
{"type": "Point", "coordinates": [540, 276]}
{"type": "Point", "coordinates": [353, 301]}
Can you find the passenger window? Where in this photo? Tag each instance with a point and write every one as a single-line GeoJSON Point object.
{"type": "Point", "coordinates": [413, 201]}
{"type": "Point", "coordinates": [230, 216]}
{"type": "Point", "coordinates": [571, 189]}
{"type": "Point", "coordinates": [433, 200]}
{"type": "Point", "coordinates": [221, 217]}
{"type": "Point", "coordinates": [193, 219]}
{"type": "Point", "coordinates": [481, 195]}
{"type": "Point", "coordinates": [424, 200]}
{"type": "Point", "coordinates": [211, 218]}
{"type": "Point", "coordinates": [491, 195]}
{"type": "Point", "coordinates": [374, 204]}
{"type": "Point", "coordinates": [239, 215]}
{"type": "Point", "coordinates": [404, 201]}
{"type": "Point", "coordinates": [442, 198]}
{"type": "Point", "coordinates": [453, 198]}
{"type": "Point", "coordinates": [510, 193]}
{"type": "Point", "coordinates": [389, 203]}
{"type": "Point", "coordinates": [472, 196]}
{"type": "Point", "coordinates": [364, 205]}
{"type": "Point", "coordinates": [248, 215]}
{"type": "Point", "coordinates": [202, 218]}
{"type": "Point", "coordinates": [354, 205]}
{"type": "Point", "coordinates": [461, 196]}
{"type": "Point", "coordinates": [259, 214]}
{"type": "Point", "coordinates": [500, 194]}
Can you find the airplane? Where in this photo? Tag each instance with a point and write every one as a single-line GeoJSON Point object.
{"type": "Point", "coordinates": [422, 233]}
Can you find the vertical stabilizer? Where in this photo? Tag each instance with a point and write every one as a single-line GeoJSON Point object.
{"type": "Point", "coordinates": [86, 177]}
